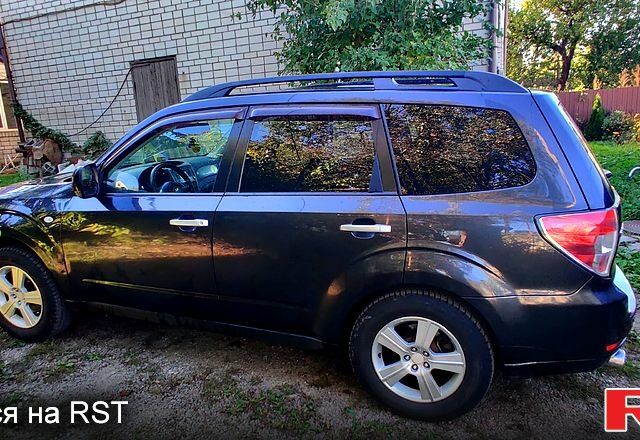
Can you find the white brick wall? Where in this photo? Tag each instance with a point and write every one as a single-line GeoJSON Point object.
{"type": "Point", "coordinates": [69, 57]}
{"type": "Point", "coordinates": [68, 66]}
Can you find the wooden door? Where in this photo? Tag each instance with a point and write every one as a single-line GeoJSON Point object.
{"type": "Point", "coordinates": [155, 85]}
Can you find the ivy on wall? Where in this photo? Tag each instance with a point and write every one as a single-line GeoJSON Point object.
{"type": "Point", "coordinates": [39, 131]}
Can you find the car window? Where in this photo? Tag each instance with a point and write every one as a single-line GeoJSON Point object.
{"type": "Point", "coordinates": [190, 153]}
{"type": "Point", "coordinates": [309, 154]}
{"type": "Point", "coordinates": [446, 149]}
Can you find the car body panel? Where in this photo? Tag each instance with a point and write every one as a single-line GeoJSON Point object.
{"type": "Point", "coordinates": [595, 187]}
{"type": "Point", "coordinates": [125, 242]}
{"type": "Point", "coordinates": [560, 328]}
{"type": "Point", "coordinates": [23, 209]}
{"type": "Point", "coordinates": [288, 250]}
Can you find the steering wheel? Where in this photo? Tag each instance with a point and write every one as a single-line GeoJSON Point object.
{"type": "Point", "coordinates": [171, 186]}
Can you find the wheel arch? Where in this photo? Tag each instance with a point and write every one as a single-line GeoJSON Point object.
{"type": "Point", "coordinates": [352, 316]}
{"type": "Point", "coordinates": [22, 231]}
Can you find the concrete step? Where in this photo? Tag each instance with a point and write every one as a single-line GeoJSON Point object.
{"type": "Point", "coordinates": [631, 227]}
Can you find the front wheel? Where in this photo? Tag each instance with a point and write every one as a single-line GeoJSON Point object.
{"type": "Point", "coordinates": [422, 355]}
{"type": "Point", "coordinates": [31, 306]}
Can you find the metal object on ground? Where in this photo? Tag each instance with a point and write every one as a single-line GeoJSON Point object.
{"type": "Point", "coordinates": [618, 358]}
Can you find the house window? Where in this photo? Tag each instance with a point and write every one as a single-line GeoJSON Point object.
{"type": "Point", "coordinates": [7, 118]}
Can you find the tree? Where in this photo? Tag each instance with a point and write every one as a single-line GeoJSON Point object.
{"type": "Point", "coordinates": [614, 44]}
{"type": "Point", "coordinates": [350, 35]}
{"type": "Point", "coordinates": [593, 129]}
{"type": "Point", "coordinates": [532, 66]}
{"type": "Point", "coordinates": [557, 26]}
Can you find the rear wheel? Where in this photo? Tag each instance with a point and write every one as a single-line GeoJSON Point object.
{"type": "Point", "coordinates": [422, 355]}
{"type": "Point", "coordinates": [31, 306]}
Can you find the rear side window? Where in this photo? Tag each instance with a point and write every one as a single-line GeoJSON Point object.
{"type": "Point", "coordinates": [448, 149]}
{"type": "Point", "coordinates": [309, 154]}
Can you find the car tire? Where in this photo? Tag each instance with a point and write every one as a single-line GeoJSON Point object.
{"type": "Point", "coordinates": [22, 314]}
{"type": "Point", "coordinates": [445, 379]}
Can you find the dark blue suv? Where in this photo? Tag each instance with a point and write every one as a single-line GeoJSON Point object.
{"type": "Point", "coordinates": [438, 224]}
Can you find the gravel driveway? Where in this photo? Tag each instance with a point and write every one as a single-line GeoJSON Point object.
{"type": "Point", "coordinates": [192, 384]}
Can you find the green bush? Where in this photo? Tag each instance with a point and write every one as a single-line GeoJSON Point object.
{"type": "Point", "coordinates": [593, 129]}
{"type": "Point", "coordinates": [618, 127]}
{"type": "Point", "coordinates": [95, 145]}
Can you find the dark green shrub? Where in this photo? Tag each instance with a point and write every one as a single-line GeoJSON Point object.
{"type": "Point", "coordinates": [619, 127]}
{"type": "Point", "coordinates": [593, 129]}
{"type": "Point", "coordinates": [95, 145]}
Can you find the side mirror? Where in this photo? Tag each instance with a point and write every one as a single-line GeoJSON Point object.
{"type": "Point", "coordinates": [86, 181]}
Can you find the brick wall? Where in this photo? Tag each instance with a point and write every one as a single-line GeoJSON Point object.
{"type": "Point", "coordinates": [8, 143]}
{"type": "Point", "coordinates": [69, 57]}
{"type": "Point", "coordinates": [68, 66]}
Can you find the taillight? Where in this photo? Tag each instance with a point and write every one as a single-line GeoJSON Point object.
{"type": "Point", "coordinates": [588, 238]}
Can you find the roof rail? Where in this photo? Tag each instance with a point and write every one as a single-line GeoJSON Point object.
{"type": "Point", "coordinates": [389, 80]}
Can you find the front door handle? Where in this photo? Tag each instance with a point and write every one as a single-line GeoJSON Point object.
{"type": "Point", "coordinates": [365, 228]}
{"type": "Point", "coordinates": [189, 223]}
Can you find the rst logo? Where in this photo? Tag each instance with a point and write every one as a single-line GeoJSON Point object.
{"type": "Point", "coordinates": [619, 408]}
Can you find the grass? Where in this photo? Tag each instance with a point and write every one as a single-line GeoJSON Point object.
{"type": "Point", "coordinates": [631, 369]}
{"type": "Point", "coordinates": [634, 339]}
{"type": "Point", "coordinates": [283, 407]}
{"type": "Point", "coordinates": [93, 357]}
{"type": "Point", "coordinates": [62, 369]}
{"type": "Point", "coordinates": [629, 262]}
{"type": "Point", "coordinates": [4, 374]}
{"type": "Point", "coordinates": [8, 179]}
{"type": "Point", "coordinates": [619, 159]}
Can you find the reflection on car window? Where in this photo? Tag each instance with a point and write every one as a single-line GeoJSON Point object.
{"type": "Point", "coordinates": [446, 149]}
{"type": "Point", "coordinates": [296, 154]}
{"type": "Point", "coordinates": [200, 139]}
{"type": "Point", "coordinates": [197, 147]}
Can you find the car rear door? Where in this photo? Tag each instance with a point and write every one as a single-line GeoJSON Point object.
{"type": "Point", "coordinates": [311, 214]}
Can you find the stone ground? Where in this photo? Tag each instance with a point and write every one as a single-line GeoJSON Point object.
{"type": "Point", "coordinates": [187, 383]}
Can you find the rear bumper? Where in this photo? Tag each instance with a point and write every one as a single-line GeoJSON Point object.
{"type": "Point", "coordinates": [563, 333]}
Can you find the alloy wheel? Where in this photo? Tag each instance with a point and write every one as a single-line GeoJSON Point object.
{"type": "Point", "coordinates": [20, 298]}
{"type": "Point", "coordinates": [418, 359]}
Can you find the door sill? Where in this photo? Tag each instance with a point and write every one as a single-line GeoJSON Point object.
{"type": "Point", "coordinates": [272, 336]}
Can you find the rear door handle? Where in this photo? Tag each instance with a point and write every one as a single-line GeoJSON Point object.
{"type": "Point", "coordinates": [365, 228]}
{"type": "Point", "coordinates": [189, 223]}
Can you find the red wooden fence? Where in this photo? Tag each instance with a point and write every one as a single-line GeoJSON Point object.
{"type": "Point", "coordinates": [578, 104]}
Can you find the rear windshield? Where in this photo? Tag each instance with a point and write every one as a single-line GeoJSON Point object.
{"type": "Point", "coordinates": [443, 149]}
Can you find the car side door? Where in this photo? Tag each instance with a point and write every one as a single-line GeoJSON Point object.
{"type": "Point", "coordinates": [148, 246]}
{"type": "Point", "coordinates": [311, 217]}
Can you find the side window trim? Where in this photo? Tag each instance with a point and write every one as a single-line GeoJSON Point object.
{"type": "Point", "coordinates": [393, 166]}
{"type": "Point", "coordinates": [373, 111]}
{"type": "Point", "coordinates": [237, 113]}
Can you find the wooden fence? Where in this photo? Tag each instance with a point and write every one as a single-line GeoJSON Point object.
{"type": "Point", "coordinates": [578, 104]}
